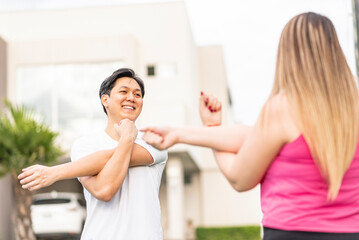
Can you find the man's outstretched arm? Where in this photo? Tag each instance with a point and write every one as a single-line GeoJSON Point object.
{"type": "Point", "coordinates": [39, 176]}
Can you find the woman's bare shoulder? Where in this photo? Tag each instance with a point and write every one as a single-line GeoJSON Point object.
{"type": "Point", "coordinates": [282, 114]}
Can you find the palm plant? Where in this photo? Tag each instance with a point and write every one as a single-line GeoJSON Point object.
{"type": "Point", "coordinates": [24, 142]}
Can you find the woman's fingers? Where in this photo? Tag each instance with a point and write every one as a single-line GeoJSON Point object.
{"type": "Point", "coordinates": [217, 106]}
{"type": "Point", "coordinates": [151, 137]}
{"type": "Point", "coordinates": [27, 172]}
{"type": "Point", "coordinates": [154, 139]}
{"type": "Point", "coordinates": [203, 99]}
{"type": "Point", "coordinates": [210, 102]}
{"type": "Point", "coordinates": [27, 179]}
{"type": "Point", "coordinates": [214, 104]}
{"type": "Point", "coordinates": [30, 167]}
{"type": "Point", "coordinates": [34, 188]}
{"type": "Point", "coordinates": [147, 129]}
{"type": "Point", "coordinates": [31, 184]}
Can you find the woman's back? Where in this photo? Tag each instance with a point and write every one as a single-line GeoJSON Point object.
{"type": "Point", "coordinates": [294, 193]}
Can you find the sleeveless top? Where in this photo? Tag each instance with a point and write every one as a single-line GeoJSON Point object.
{"type": "Point", "coordinates": [294, 194]}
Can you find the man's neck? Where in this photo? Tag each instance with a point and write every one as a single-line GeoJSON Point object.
{"type": "Point", "coordinates": [110, 129]}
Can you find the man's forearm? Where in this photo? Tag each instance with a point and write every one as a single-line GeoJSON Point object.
{"type": "Point", "coordinates": [107, 182]}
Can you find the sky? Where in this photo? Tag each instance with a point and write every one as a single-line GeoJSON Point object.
{"type": "Point", "coordinates": [248, 31]}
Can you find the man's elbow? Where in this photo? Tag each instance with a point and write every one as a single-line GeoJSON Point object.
{"type": "Point", "coordinates": [105, 194]}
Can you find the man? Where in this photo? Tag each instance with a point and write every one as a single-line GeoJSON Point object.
{"type": "Point", "coordinates": [122, 202]}
{"type": "Point", "coordinates": [120, 173]}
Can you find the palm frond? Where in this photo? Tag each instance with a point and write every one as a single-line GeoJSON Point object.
{"type": "Point", "coordinates": [25, 141]}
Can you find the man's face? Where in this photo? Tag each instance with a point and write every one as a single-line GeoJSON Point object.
{"type": "Point", "coordinates": [125, 100]}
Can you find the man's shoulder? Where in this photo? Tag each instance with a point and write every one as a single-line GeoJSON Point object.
{"type": "Point", "coordinates": [91, 138]}
{"type": "Point", "coordinates": [88, 144]}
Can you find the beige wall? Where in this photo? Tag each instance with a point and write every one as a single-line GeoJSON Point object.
{"type": "Point", "coordinates": [193, 200]}
{"type": "Point", "coordinates": [213, 78]}
{"type": "Point", "coordinates": [6, 200]}
{"type": "Point", "coordinates": [223, 206]}
{"type": "Point", "coordinates": [5, 182]}
{"type": "Point", "coordinates": [3, 69]}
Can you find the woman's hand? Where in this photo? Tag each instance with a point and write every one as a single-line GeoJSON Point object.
{"type": "Point", "coordinates": [210, 110]}
{"type": "Point", "coordinates": [37, 176]}
{"type": "Point", "coordinates": [160, 137]}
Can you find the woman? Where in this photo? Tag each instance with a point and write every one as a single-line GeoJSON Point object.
{"type": "Point", "coordinates": [303, 148]}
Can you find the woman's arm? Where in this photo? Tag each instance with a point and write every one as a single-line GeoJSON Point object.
{"type": "Point", "coordinates": [221, 138]}
{"type": "Point", "coordinates": [245, 169]}
{"type": "Point", "coordinates": [212, 135]}
{"type": "Point", "coordinates": [243, 154]}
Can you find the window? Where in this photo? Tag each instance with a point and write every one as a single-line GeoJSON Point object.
{"type": "Point", "coordinates": [66, 95]}
{"type": "Point", "coordinates": [51, 201]}
{"type": "Point", "coordinates": [162, 70]}
{"type": "Point", "coordinates": [151, 70]}
{"type": "Point", "coordinates": [187, 178]}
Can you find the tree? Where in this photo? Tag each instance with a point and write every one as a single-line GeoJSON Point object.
{"type": "Point", "coordinates": [24, 141]}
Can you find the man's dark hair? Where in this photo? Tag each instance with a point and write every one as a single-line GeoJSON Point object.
{"type": "Point", "coordinates": [109, 82]}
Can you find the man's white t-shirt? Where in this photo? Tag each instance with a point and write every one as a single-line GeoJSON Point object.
{"type": "Point", "coordinates": [134, 212]}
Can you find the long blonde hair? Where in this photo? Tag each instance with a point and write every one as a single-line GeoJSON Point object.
{"type": "Point", "coordinates": [321, 90]}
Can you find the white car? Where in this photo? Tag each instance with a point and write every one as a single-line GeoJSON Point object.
{"type": "Point", "coordinates": [58, 214]}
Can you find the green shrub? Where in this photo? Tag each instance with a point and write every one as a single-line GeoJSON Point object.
{"type": "Point", "coordinates": [229, 233]}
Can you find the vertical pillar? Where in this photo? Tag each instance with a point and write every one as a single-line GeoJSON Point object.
{"type": "Point", "coordinates": [6, 206]}
{"type": "Point", "coordinates": [175, 199]}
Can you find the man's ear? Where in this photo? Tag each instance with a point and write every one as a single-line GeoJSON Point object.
{"type": "Point", "coordinates": [104, 100]}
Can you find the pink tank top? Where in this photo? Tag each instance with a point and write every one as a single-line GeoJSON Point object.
{"type": "Point", "coordinates": [293, 194]}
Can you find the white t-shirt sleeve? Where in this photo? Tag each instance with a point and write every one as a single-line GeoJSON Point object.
{"type": "Point", "coordinates": [80, 149]}
{"type": "Point", "coordinates": [157, 155]}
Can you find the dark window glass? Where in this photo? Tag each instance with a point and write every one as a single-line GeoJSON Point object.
{"type": "Point", "coordinates": [151, 70]}
{"type": "Point", "coordinates": [51, 201]}
{"type": "Point", "coordinates": [81, 202]}
{"type": "Point", "coordinates": [187, 178]}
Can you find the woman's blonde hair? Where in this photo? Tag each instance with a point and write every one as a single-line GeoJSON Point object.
{"type": "Point", "coordinates": [312, 69]}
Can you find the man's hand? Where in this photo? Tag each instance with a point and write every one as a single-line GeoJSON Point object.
{"type": "Point", "coordinates": [210, 110]}
{"type": "Point", "coordinates": [126, 129]}
{"type": "Point", "coordinates": [160, 137]}
{"type": "Point", "coordinates": [37, 176]}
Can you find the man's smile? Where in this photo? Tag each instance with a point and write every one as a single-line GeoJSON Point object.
{"type": "Point", "coordinates": [128, 107]}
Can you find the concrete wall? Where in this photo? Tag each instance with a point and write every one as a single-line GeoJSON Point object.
{"type": "Point", "coordinates": [223, 206]}
{"type": "Point", "coordinates": [6, 201]}
{"type": "Point", "coordinates": [3, 70]}
{"type": "Point", "coordinates": [5, 182]}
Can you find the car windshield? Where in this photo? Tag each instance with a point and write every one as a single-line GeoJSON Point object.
{"type": "Point", "coordinates": [51, 201]}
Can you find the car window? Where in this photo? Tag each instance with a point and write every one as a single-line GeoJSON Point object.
{"type": "Point", "coordinates": [81, 202]}
{"type": "Point", "coordinates": [51, 201]}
